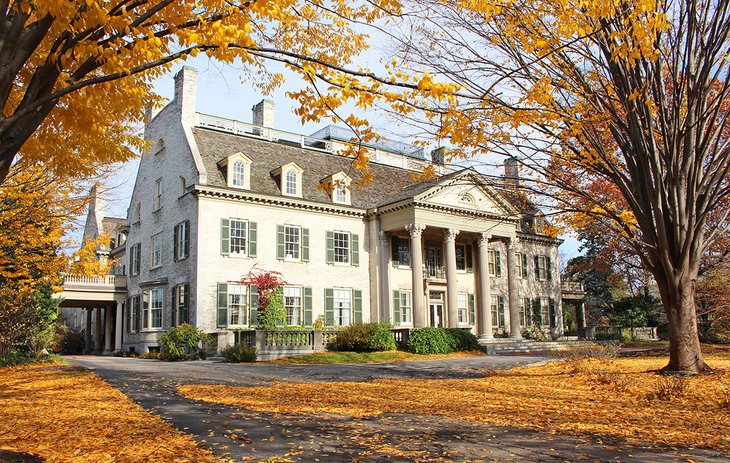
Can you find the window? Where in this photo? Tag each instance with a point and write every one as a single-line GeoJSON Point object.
{"type": "Point", "coordinates": [523, 304]}
{"type": "Point", "coordinates": [400, 252]}
{"type": "Point", "coordinates": [237, 307]}
{"type": "Point", "coordinates": [545, 311]}
{"type": "Point", "coordinates": [238, 174]}
{"type": "Point", "coordinates": [181, 186]}
{"type": "Point", "coordinates": [138, 213]}
{"type": "Point", "coordinates": [292, 242]}
{"type": "Point", "coordinates": [134, 258]}
{"type": "Point", "coordinates": [466, 198]}
{"type": "Point", "coordinates": [238, 237]}
{"type": "Point", "coordinates": [153, 305]}
{"type": "Point", "coordinates": [182, 309]}
{"type": "Point", "coordinates": [157, 195]}
{"type": "Point", "coordinates": [342, 307]}
{"type": "Point", "coordinates": [181, 240]}
{"type": "Point", "coordinates": [340, 193]}
{"type": "Point", "coordinates": [498, 311]}
{"type": "Point", "coordinates": [290, 185]}
{"type": "Point", "coordinates": [156, 251]}
{"type": "Point", "coordinates": [463, 258]}
{"type": "Point", "coordinates": [293, 305]}
{"type": "Point", "coordinates": [406, 308]}
{"type": "Point", "coordinates": [463, 306]}
{"type": "Point", "coordinates": [342, 247]}
{"type": "Point", "coordinates": [521, 265]}
{"type": "Point", "coordinates": [495, 263]}
{"type": "Point", "coordinates": [541, 268]}
{"type": "Point", "coordinates": [133, 309]}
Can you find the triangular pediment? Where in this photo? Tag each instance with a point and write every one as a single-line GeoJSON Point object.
{"type": "Point", "coordinates": [467, 190]}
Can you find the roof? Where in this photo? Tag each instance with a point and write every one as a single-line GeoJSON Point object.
{"type": "Point", "coordinates": [111, 225]}
{"type": "Point", "coordinates": [213, 145]}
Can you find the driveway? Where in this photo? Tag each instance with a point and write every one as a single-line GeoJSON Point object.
{"type": "Point", "coordinates": [245, 435]}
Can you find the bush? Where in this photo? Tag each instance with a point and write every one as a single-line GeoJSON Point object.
{"type": "Point", "coordinates": [66, 340]}
{"type": "Point", "coordinates": [441, 341]}
{"type": "Point", "coordinates": [535, 333]}
{"type": "Point", "coordinates": [364, 337]}
{"type": "Point", "coordinates": [181, 343]}
{"type": "Point", "coordinates": [239, 353]}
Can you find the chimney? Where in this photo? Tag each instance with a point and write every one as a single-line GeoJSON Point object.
{"type": "Point", "coordinates": [263, 116]}
{"type": "Point", "coordinates": [512, 172]}
{"type": "Point", "coordinates": [95, 214]}
{"type": "Point", "coordinates": [185, 87]}
{"type": "Point", "coordinates": [438, 156]}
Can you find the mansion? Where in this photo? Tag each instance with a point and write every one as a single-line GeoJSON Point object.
{"type": "Point", "coordinates": [216, 198]}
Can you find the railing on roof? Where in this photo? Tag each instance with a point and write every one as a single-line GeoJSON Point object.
{"type": "Point", "coordinates": [347, 135]}
{"type": "Point", "coordinates": [263, 133]}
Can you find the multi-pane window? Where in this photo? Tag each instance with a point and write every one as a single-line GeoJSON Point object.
{"type": "Point", "coordinates": [134, 257]}
{"type": "Point", "coordinates": [153, 309]}
{"type": "Point", "coordinates": [182, 309]}
{"type": "Point", "coordinates": [290, 185]}
{"type": "Point", "coordinates": [545, 311]}
{"type": "Point", "coordinates": [406, 308]}
{"type": "Point", "coordinates": [541, 267]}
{"type": "Point", "coordinates": [182, 230]}
{"type": "Point", "coordinates": [237, 313]}
{"type": "Point", "coordinates": [342, 307]}
{"type": "Point", "coordinates": [293, 305]}
{"type": "Point", "coordinates": [401, 255]}
{"type": "Point", "coordinates": [181, 186]}
{"type": "Point", "coordinates": [461, 257]}
{"type": "Point", "coordinates": [238, 174]}
{"type": "Point", "coordinates": [156, 251]}
{"type": "Point", "coordinates": [238, 237]}
{"type": "Point", "coordinates": [498, 311]}
{"type": "Point", "coordinates": [519, 267]}
{"type": "Point", "coordinates": [157, 195]}
{"type": "Point", "coordinates": [342, 247]}
{"type": "Point", "coordinates": [525, 310]}
{"type": "Point", "coordinates": [340, 193]}
{"type": "Point", "coordinates": [292, 242]}
{"type": "Point", "coordinates": [463, 305]}
{"type": "Point", "coordinates": [495, 263]}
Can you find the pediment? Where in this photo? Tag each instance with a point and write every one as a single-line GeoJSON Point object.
{"type": "Point", "coordinates": [468, 191]}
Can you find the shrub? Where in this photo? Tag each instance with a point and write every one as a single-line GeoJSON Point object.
{"type": "Point", "coordinates": [181, 343]}
{"type": "Point", "coordinates": [364, 337]}
{"type": "Point", "coordinates": [463, 340]}
{"type": "Point", "coordinates": [66, 340]}
{"type": "Point", "coordinates": [150, 356]}
{"type": "Point", "coordinates": [239, 353]}
{"type": "Point", "coordinates": [430, 340]}
{"type": "Point", "coordinates": [535, 333]}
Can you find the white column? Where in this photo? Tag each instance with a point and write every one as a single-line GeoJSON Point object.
{"type": "Point", "coordinates": [97, 330]}
{"type": "Point", "coordinates": [118, 329]}
{"type": "Point", "coordinates": [419, 303]}
{"type": "Point", "coordinates": [385, 252]}
{"type": "Point", "coordinates": [485, 295]}
{"type": "Point", "coordinates": [452, 298]}
{"type": "Point", "coordinates": [514, 308]}
{"type": "Point", "coordinates": [107, 328]}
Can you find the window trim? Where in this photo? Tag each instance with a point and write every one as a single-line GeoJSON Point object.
{"type": "Point", "coordinates": [244, 305]}
{"type": "Point", "coordinates": [239, 253]}
{"type": "Point", "coordinates": [298, 258]}
{"type": "Point", "coordinates": [337, 310]}
{"type": "Point", "coordinates": [147, 310]}
{"type": "Point", "coordinates": [463, 256]}
{"type": "Point", "coordinates": [409, 294]}
{"type": "Point", "coordinates": [156, 251]}
{"type": "Point", "coordinates": [289, 320]}
{"type": "Point", "coordinates": [182, 245]}
{"type": "Point", "coordinates": [464, 309]}
{"type": "Point", "coordinates": [157, 196]}
{"type": "Point", "coordinates": [348, 252]}
{"type": "Point", "coordinates": [135, 256]}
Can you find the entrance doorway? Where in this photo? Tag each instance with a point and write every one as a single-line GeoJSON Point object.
{"type": "Point", "coordinates": [437, 314]}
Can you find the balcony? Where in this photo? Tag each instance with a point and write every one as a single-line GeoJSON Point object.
{"type": "Point", "coordinates": [107, 288]}
{"type": "Point", "coordinates": [434, 272]}
{"type": "Point", "coordinates": [572, 290]}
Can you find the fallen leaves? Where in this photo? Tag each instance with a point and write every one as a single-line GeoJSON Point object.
{"type": "Point", "coordinates": [612, 397]}
{"type": "Point", "coordinates": [67, 414]}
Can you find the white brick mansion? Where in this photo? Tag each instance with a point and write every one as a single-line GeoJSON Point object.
{"type": "Point", "coordinates": [215, 198]}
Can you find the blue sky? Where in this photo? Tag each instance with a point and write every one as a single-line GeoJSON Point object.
{"type": "Point", "coordinates": [223, 91]}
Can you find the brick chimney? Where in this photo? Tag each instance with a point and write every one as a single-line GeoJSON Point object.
{"type": "Point", "coordinates": [185, 89]}
{"type": "Point", "coordinates": [263, 115]}
{"type": "Point", "coordinates": [512, 172]}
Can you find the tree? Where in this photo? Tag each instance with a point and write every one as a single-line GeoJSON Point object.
{"type": "Point", "coordinates": [598, 100]}
{"type": "Point", "coordinates": [75, 75]}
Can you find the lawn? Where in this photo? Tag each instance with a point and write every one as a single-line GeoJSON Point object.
{"type": "Point", "coordinates": [366, 357]}
{"type": "Point", "coordinates": [620, 397]}
{"type": "Point", "coordinates": [68, 414]}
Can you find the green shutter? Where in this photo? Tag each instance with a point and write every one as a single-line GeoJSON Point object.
{"type": "Point", "coordinates": [252, 235]}
{"type": "Point", "coordinates": [137, 309]}
{"type": "Point", "coordinates": [330, 247]}
{"type": "Point", "coordinates": [469, 259]}
{"type": "Point", "coordinates": [536, 313]}
{"type": "Point", "coordinates": [174, 243]}
{"type": "Point", "coordinates": [500, 300]}
{"type": "Point", "coordinates": [472, 310]}
{"type": "Point", "coordinates": [357, 296]}
{"type": "Point", "coordinates": [307, 306]}
{"type": "Point", "coordinates": [497, 264]}
{"type": "Point", "coordinates": [280, 238]}
{"type": "Point", "coordinates": [222, 304]}
{"type": "Point", "coordinates": [329, 306]}
{"type": "Point", "coordinates": [549, 268]}
{"type": "Point", "coordinates": [551, 312]}
{"type": "Point", "coordinates": [305, 244]}
{"type": "Point", "coordinates": [355, 250]}
{"type": "Point", "coordinates": [396, 308]}
{"type": "Point", "coordinates": [524, 265]}
{"type": "Point", "coordinates": [537, 267]}
{"type": "Point", "coordinates": [225, 236]}
{"type": "Point", "coordinates": [253, 305]}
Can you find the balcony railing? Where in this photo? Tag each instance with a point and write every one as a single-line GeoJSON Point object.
{"type": "Point", "coordinates": [107, 281]}
{"type": "Point", "coordinates": [572, 287]}
{"type": "Point", "coordinates": [437, 272]}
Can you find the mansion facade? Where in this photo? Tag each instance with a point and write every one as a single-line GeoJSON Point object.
{"type": "Point", "coordinates": [215, 199]}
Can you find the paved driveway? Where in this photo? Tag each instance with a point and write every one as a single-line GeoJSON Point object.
{"type": "Point", "coordinates": [245, 435]}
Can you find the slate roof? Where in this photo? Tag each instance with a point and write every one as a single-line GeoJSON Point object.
{"type": "Point", "coordinates": [391, 183]}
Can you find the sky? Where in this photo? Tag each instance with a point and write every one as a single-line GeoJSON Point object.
{"type": "Point", "coordinates": [223, 91]}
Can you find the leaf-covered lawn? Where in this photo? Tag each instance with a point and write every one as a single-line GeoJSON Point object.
{"type": "Point", "coordinates": [366, 357]}
{"type": "Point", "coordinates": [68, 414]}
{"type": "Point", "coordinates": [612, 397]}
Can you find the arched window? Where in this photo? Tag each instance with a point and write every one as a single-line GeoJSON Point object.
{"type": "Point", "coordinates": [291, 182]}
{"type": "Point", "coordinates": [466, 198]}
{"type": "Point", "coordinates": [239, 174]}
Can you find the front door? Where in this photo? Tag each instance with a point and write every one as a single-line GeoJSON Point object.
{"type": "Point", "coordinates": [437, 314]}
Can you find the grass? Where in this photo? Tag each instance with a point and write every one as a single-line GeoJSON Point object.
{"type": "Point", "coordinates": [619, 397]}
{"type": "Point", "coordinates": [63, 413]}
{"type": "Point", "coordinates": [365, 357]}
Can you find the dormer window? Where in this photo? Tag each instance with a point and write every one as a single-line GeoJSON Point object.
{"type": "Point", "coordinates": [238, 171]}
{"type": "Point", "coordinates": [290, 179]}
{"type": "Point", "coordinates": [340, 187]}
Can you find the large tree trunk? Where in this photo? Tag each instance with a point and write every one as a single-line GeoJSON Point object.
{"type": "Point", "coordinates": [678, 298]}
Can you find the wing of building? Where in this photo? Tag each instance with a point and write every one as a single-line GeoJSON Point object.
{"type": "Point", "coordinates": [215, 198]}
